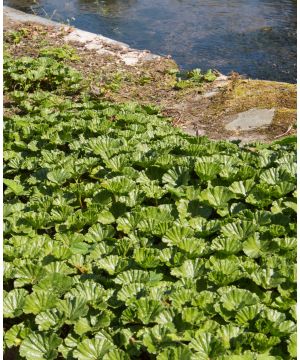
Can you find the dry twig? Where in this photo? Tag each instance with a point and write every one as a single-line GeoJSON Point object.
{"type": "Point", "coordinates": [285, 133]}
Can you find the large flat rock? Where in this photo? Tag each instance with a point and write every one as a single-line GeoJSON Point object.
{"type": "Point", "coordinates": [251, 119]}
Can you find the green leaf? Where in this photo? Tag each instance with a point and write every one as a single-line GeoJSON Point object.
{"type": "Point", "coordinates": [98, 233]}
{"type": "Point", "coordinates": [28, 274]}
{"type": "Point", "coordinates": [15, 335]}
{"type": "Point", "coordinates": [176, 234]}
{"type": "Point", "coordinates": [39, 301]}
{"type": "Point", "coordinates": [217, 196]}
{"type": "Point", "coordinates": [239, 230]}
{"type": "Point", "coordinates": [209, 76]}
{"type": "Point", "coordinates": [91, 291]}
{"type": "Point", "coordinates": [38, 346]}
{"type": "Point", "coordinates": [119, 185]}
{"type": "Point", "coordinates": [106, 217]}
{"type": "Point", "coordinates": [292, 345]}
{"type": "Point", "coordinates": [49, 319]}
{"type": "Point", "coordinates": [181, 352]}
{"type": "Point", "coordinates": [156, 337]}
{"type": "Point", "coordinates": [177, 176]}
{"type": "Point", "coordinates": [137, 276]}
{"type": "Point", "coordinates": [116, 355]}
{"type": "Point", "coordinates": [73, 308]}
{"type": "Point", "coordinates": [14, 186]}
{"type": "Point", "coordinates": [147, 310]}
{"type": "Point", "coordinates": [223, 271]}
{"type": "Point", "coordinates": [203, 344]}
{"type": "Point", "coordinates": [267, 278]}
{"type": "Point", "coordinates": [54, 283]}
{"type": "Point", "coordinates": [242, 187]}
{"type": "Point", "coordinates": [147, 258]}
{"type": "Point", "coordinates": [207, 170]}
{"type": "Point", "coordinates": [226, 245]}
{"type": "Point", "coordinates": [93, 349]}
{"type": "Point", "coordinates": [253, 247]}
{"type": "Point", "coordinates": [248, 313]}
{"type": "Point", "coordinates": [58, 176]}
{"type": "Point", "coordinates": [228, 333]}
{"type": "Point", "coordinates": [273, 176]}
{"type": "Point", "coordinates": [236, 299]}
{"type": "Point", "coordinates": [13, 303]}
{"type": "Point", "coordinates": [189, 269]}
{"type": "Point", "coordinates": [113, 264]}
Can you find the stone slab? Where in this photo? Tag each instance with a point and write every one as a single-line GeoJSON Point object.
{"type": "Point", "coordinates": [251, 119]}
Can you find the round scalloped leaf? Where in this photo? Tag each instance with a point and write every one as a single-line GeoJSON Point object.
{"type": "Point", "coordinates": [267, 278]}
{"type": "Point", "coordinates": [181, 352]}
{"type": "Point", "coordinates": [235, 299]}
{"type": "Point", "coordinates": [240, 357]}
{"type": "Point", "coordinates": [113, 264]}
{"type": "Point", "coordinates": [239, 230]}
{"type": "Point", "coordinates": [58, 176]}
{"type": "Point", "coordinates": [116, 354]}
{"type": "Point", "coordinates": [14, 186]}
{"type": "Point", "coordinates": [106, 217]}
{"type": "Point", "coordinates": [73, 308]}
{"type": "Point", "coordinates": [98, 233]}
{"type": "Point", "coordinates": [55, 283]}
{"type": "Point", "coordinates": [189, 269]}
{"type": "Point", "coordinates": [119, 185]}
{"type": "Point", "coordinates": [147, 310]}
{"type": "Point", "coordinates": [175, 235]}
{"type": "Point", "coordinates": [138, 276]}
{"type": "Point", "coordinates": [253, 247]}
{"type": "Point", "coordinates": [217, 196]}
{"type": "Point", "coordinates": [38, 346]}
{"type": "Point", "coordinates": [39, 301]}
{"type": "Point", "coordinates": [93, 349]}
{"type": "Point", "coordinates": [223, 271]}
{"type": "Point", "coordinates": [177, 176]}
{"type": "Point", "coordinates": [13, 303]}
{"type": "Point", "coordinates": [228, 332]}
{"type": "Point", "coordinates": [242, 188]}
{"type": "Point", "coordinates": [226, 245]}
{"type": "Point", "coordinates": [15, 335]}
{"type": "Point", "coordinates": [205, 345]}
{"type": "Point", "coordinates": [90, 291]}
{"type": "Point", "coordinates": [156, 337]}
{"type": "Point", "coordinates": [128, 292]}
{"type": "Point", "coordinates": [247, 314]}
{"type": "Point", "coordinates": [274, 176]}
{"type": "Point", "coordinates": [49, 319]}
{"type": "Point", "coordinates": [28, 274]}
{"type": "Point", "coordinates": [207, 170]}
{"type": "Point", "coordinates": [147, 258]}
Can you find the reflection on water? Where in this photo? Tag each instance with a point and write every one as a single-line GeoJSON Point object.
{"type": "Point", "coordinates": [256, 38]}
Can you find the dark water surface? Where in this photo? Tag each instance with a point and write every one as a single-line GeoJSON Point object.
{"type": "Point", "coordinates": [253, 37]}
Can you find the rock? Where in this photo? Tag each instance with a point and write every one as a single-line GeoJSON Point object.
{"type": "Point", "coordinates": [251, 119]}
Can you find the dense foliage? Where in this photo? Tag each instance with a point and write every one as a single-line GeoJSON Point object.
{"type": "Point", "coordinates": [127, 239]}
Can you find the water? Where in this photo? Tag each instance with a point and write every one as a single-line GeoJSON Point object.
{"type": "Point", "coordinates": [256, 38]}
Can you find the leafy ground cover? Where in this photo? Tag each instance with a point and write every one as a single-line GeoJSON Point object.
{"type": "Point", "coordinates": [127, 239]}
